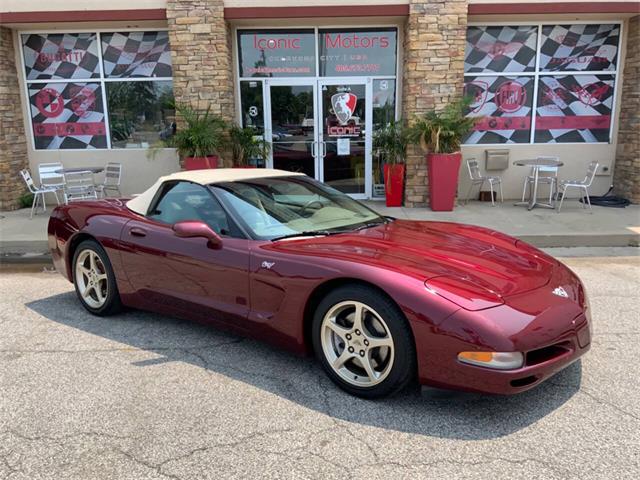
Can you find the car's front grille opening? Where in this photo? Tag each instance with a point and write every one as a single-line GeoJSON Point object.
{"type": "Point", "coordinates": [535, 357]}
{"type": "Point", "coordinates": [523, 382]}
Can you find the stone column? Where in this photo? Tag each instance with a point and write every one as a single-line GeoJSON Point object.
{"type": "Point", "coordinates": [201, 56]}
{"type": "Point", "coordinates": [13, 144]}
{"type": "Point", "coordinates": [626, 177]}
{"type": "Point", "coordinates": [434, 43]}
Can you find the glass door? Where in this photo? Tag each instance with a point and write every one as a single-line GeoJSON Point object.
{"type": "Point", "coordinates": [291, 108]}
{"type": "Point", "coordinates": [344, 148]}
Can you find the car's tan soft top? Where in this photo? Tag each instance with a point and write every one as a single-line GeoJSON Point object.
{"type": "Point", "coordinates": [140, 203]}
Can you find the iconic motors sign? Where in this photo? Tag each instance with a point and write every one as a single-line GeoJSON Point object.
{"type": "Point", "coordinates": [361, 52]}
{"type": "Point", "coordinates": [289, 53]}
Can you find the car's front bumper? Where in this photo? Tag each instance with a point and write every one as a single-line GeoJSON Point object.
{"type": "Point", "coordinates": [540, 364]}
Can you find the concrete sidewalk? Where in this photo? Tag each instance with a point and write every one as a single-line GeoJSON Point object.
{"type": "Point", "coordinates": [22, 238]}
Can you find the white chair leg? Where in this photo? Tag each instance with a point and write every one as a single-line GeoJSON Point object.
{"type": "Point", "coordinates": [524, 187]}
{"type": "Point", "coordinates": [564, 190]}
{"type": "Point", "coordinates": [44, 203]}
{"type": "Point", "coordinates": [33, 204]}
{"type": "Point", "coordinates": [586, 194]}
{"type": "Point", "coordinates": [500, 187]}
{"type": "Point", "coordinates": [493, 203]}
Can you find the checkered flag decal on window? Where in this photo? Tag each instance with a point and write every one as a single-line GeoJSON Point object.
{"type": "Point", "coordinates": [136, 54]}
{"type": "Point", "coordinates": [67, 115]}
{"type": "Point", "coordinates": [579, 48]}
{"type": "Point", "coordinates": [60, 56]}
{"type": "Point", "coordinates": [504, 106]}
{"type": "Point", "coordinates": [574, 108]}
{"type": "Point", "coordinates": [500, 49]}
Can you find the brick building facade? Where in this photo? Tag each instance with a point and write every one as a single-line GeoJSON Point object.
{"type": "Point", "coordinates": [203, 68]}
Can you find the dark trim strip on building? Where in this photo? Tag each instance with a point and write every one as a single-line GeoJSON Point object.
{"type": "Point", "coordinates": [83, 16]}
{"type": "Point", "coordinates": [557, 7]}
{"type": "Point", "coordinates": [396, 10]}
{"type": "Point", "coordinates": [238, 13]}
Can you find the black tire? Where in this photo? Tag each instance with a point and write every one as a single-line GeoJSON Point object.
{"type": "Point", "coordinates": [403, 369]}
{"type": "Point", "coordinates": [112, 304]}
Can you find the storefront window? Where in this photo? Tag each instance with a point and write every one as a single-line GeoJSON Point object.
{"type": "Point", "coordinates": [252, 105]}
{"type": "Point", "coordinates": [60, 56]}
{"type": "Point", "coordinates": [67, 115]}
{"type": "Point", "coordinates": [384, 112]}
{"type": "Point", "coordinates": [574, 108]}
{"type": "Point", "coordinates": [361, 52]}
{"type": "Point", "coordinates": [140, 113]}
{"type": "Point", "coordinates": [136, 54]}
{"type": "Point", "coordinates": [277, 53]}
{"type": "Point", "coordinates": [501, 49]}
{"type": "Point", "coordinates": [504, 104]}
{"type": "Point", "coordinates": [581, 48]}
{"type": "Point", "coordinates": [69, 89]}
{"type": "Point", "coordinates": [568, 108]}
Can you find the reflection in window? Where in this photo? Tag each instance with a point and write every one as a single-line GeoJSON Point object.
{"type": "Point", "coordinates": [140, 113]}
{"type": "Point", "coordinates": [384, 113]}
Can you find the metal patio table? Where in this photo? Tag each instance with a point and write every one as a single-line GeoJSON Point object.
{"type": "Point", "coordinates": [93, 170]}
{"type": "Point", "coordinates": [536, 163]}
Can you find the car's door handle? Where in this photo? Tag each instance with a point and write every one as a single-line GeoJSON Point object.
{"type": "Point", "coordinates": [137, 232]}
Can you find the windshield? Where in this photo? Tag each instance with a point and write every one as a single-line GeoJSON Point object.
{"type": "Point", "coordinates": [270, 208]}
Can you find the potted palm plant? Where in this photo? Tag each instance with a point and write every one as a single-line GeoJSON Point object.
{"type": "Point", "coordinates": [390, 143]}
{"type": "Point", "coordinates": [246, 145]}
{"type": "Point", "coordinates": [440, 135]}
{"type": "Point", "coordinates": [201, 138]}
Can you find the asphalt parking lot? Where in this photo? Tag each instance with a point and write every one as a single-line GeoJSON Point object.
{"type": "Point", "coordinates": [141, 396]}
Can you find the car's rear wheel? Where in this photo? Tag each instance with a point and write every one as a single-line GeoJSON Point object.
{"type": "Point", "coordinates": [363, 342]}
{"type": "Point", "coordinates": [94, 280]}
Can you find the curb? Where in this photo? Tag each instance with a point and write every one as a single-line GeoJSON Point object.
{"type": "Point", "coordinates": [38, 251]}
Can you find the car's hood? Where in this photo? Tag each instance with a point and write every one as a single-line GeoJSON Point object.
{"type": "Point", "coordinates": [448, 256]}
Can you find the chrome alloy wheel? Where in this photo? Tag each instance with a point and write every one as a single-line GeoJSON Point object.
{"type": "Point", "coordinates": [91, 278]}
{"type": "Point", "coordinates": [357, 343]}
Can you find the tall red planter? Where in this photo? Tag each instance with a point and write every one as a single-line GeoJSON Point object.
{"type": "Point", "coordinates": [200, 163]}
{"type": "Point", "coordinates": [394, 183]}
{"type": "Point", "coordinates": [443, 169]}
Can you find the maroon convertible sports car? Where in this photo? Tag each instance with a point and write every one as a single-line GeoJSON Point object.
{"type": "Point", "coordinates": [380, 301]}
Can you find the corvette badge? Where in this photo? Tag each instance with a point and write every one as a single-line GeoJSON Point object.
{"type": "Point", "coordinates": [561, 292]}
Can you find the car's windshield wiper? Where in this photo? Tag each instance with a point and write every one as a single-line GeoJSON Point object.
{"type": "Point", "coordinates": [310, 233]}
{"type": "Point", "coordinates": [369, 225]}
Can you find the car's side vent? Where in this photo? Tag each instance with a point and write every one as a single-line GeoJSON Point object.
{"type": "Point", "coordinates": [541, 355]}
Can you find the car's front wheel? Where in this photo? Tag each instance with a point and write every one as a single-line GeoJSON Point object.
{"type": "Point", "coordinates": [94, 280]}
{"type": "Point", "coordinates": [363, 342]}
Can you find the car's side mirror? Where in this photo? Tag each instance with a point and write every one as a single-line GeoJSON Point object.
{"type": "Point", "coordinates": [196, 228]}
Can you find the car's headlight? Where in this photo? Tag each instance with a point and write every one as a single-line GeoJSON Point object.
{"type": "Point", "coordinates": [497, 360]}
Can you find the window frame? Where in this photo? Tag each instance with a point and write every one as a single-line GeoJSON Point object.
{"type": "Point", "coordinates": [160, 193]}
{"type": "Point", "coordinates": [537, 73]}
{"type": "Point", "coordinates": [101, 80]}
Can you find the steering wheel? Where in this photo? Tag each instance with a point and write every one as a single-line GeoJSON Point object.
{"type": "Point", "coordinates": [308, 204]}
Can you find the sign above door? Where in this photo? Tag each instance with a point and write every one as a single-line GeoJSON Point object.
{"type": "Point", "coordinates": [278, 53]}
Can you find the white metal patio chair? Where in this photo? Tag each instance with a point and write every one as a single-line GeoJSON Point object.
{"type": "Point", "coordinates": [583, 184]}
{"type": "Point", "coordinates": [478, 179]}
{"type": "Point", "coordinates": [49, 176]}
{"type": "Point", "coordinates": [112, 177]}
{"type": "Point", "coordinates": [546, 176]}
{"type": "Point", "coordinates": [38, 193]}
{"type": "Point", "coordinates": [79, 186]}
